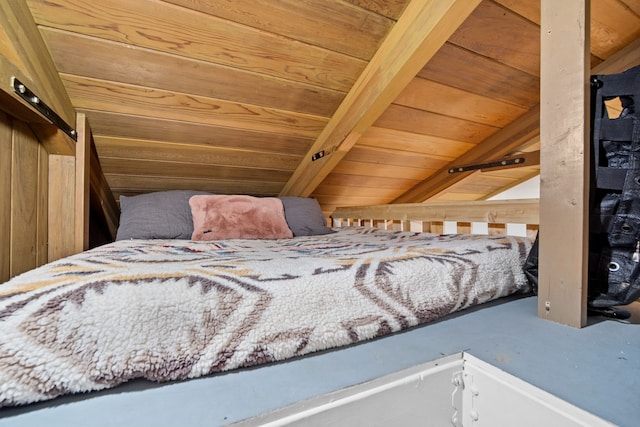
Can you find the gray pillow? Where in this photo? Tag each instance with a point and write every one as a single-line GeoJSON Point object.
{"type": "Point", "coordinates": [160, 215]}
{"type": "Point", "coordinates": [304, 216]}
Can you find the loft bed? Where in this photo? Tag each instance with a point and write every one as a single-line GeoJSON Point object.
{"type": "Point", "coordinates": [167, 309]}
{"type": "Point", "coordinates": [424, 354]}
{"type": "Point", "coordinates": [61, 164]}
{"type": "Point", "coordinates": [59, 193]}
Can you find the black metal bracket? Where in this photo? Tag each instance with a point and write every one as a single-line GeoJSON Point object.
{"type": "Point", "coordinates": [496, 164]}
{"type": "Point", "coordinates": [322, 153]}
{"type": "Point", "coordinates": [43, 108]}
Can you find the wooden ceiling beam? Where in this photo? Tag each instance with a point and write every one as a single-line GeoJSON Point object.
{"type": "Point", "coordinates": [505, 141]}
{"type": "Point", "coordinates": [419, 33]}
{"type": "Point", "coordinates": [512, 136]}
{"type": "Point", "coordinates": [24, 55]}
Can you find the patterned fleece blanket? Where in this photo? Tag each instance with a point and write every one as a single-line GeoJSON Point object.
{"type": "Point", "coordinates": [175, 309]}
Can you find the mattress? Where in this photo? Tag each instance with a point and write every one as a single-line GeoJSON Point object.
{"type": "Point", "coordinates": [176, 309]}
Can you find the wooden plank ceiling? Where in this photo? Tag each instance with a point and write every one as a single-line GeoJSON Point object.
{"type": "Point", "coordinates": [235, 96]}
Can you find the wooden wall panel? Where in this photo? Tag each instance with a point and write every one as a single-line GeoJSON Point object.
{"type": "Point", "coordinates": [42, 239]}
{"type": "Point", "coordinates": [61, 205]}
{"type": "Point", "coordinates": [24, 199]}
{"type": "Point", "coordinates": [5, 196]}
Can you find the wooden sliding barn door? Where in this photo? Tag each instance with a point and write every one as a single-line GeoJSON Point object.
{"type": "Point", "coordinates": [24, 191]}
{"type": "Point", "coordinates": [44, 171]}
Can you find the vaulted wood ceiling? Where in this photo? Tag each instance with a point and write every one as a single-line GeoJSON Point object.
{"type": "Point", "coordinates": [236, 96]}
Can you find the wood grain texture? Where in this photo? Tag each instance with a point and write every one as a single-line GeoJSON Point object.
{"type": "Point", "coordinates": [508, 139]}
{"type": "Point", "coordinates": [82, 184]}
{"type": "Point", "coordinates": [138, 184]}
{"type": "Point", "coordinates": [430, 96]}
{"type": "Point", "coordinates": [184, 153]}
{"type": "Point", "coordinates": [42, 234]}
{"type": "Point", "coordinates": [612, 25]}
{"type": "Point", "coordinates": [291, 78]}
{"type": "Point", "coordinates": [410, 142]}
{"type": "Point", "coordinates": [633, 5]}
{"type": "Point", "coordinates": [24, 55]}
{"type": "Point", "coordinates": [9, 51]}
{"type": "Point", "coordinates": [24, 199]}
{"type": "Point", "coordinates": [496, 32]}
{"type": "Point", "coordinates": [375, 155]}
{"type": "Point", "coordinates": [6, 146]}
{"type": "Point", "coordinates": [564, 177]}
{"type": "Point", "coordinates": [184, 32]}
{"type": "Point", "coordinates": [61, 207]}
{"type": "Point", "coordinates": [422, 30]}
{"type": "Point", "coordinates": [483, 76]}
{"type": "Point", "coordinates": [9, 101]}
{"type": "Point", "coordinates": [483, 185]}
{"type": "Point", "coordinates": [495, 212]}
{"type": "Point", "coordinates": [92, 94]}
{"type": "Point", "coordinates": [624, 59]}
{"type": "Point", "coordinates": [343, 192]}
{"type": "Point", "coordinates": [350, 167]}
{"type": "Point", "coordinates": [155, 129]}
{"type": "Point", "coordinates": [24, 191]}
{"type": "Point", "coordinates": [23, 36]}
{"type": "Point", "coordinates": [389, 8]}
{"type": "Point", "coordinates": [352, 180]}
{"type": "Point", "coordinates": [158, 168]}
{"type": "Point", "coordinates": [408, 119]}
{"type": "Point", "coordinates": [145, 67]}
{"type": "Point", "coordinates": [355, 31]}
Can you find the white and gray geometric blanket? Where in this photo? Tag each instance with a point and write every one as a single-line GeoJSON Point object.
{"type": "Point", "coordinates": [175, 309]}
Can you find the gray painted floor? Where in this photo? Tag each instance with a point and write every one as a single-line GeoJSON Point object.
{"type": "Point", "coordinates": [596, 368]}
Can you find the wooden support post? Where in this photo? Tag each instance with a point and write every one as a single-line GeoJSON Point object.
{"type": "Point", "coordinates": [564, 161]}
{"type": "Point", "coordinates": [497, 229]}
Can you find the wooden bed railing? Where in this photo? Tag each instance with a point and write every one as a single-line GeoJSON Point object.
{"type": "Point", "coordinates": [430, 217]}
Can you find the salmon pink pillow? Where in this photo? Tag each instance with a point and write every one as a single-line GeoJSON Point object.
{"type": "Point", "coordinates": [217, 217]}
